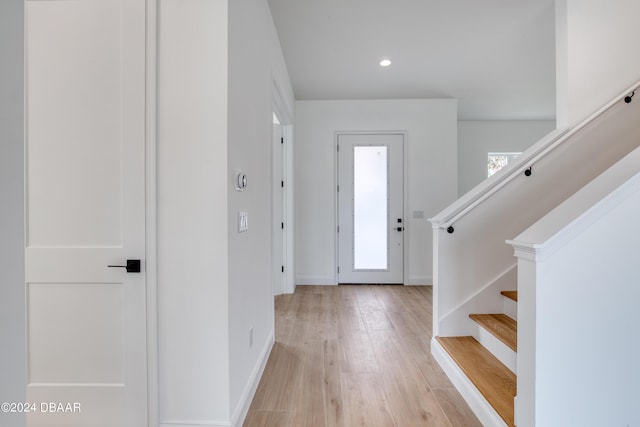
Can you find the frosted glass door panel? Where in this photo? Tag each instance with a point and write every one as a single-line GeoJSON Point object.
{"type": "Point", "coordinates": [370, 208]}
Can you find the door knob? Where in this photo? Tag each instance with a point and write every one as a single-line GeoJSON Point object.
{"type": "Point", "coordinates": [133, 266]}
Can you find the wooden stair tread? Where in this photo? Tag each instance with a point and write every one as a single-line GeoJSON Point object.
{"type": "Point", "coordinates": [501, 326]}
{"type": "Point", "coordinates": [511, 295]}
{"type": "Point", "coordinates": [494, 380]}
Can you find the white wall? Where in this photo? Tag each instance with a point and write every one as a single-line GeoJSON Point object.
{"type": "Point", "coordinates": [192, 186]}
{"type": "Point", "coordinates": [218, 61]}
{"type": "Point", "coordinates": [431, 171]}
{"type": "Point", "coordinates": [596, 45]}
{"type": "Point", "coordinates": [255, 62]}
{"type": "Point", "coordinates": [12, 293]}
{"type": "Point", "coordinates": [477, 138]}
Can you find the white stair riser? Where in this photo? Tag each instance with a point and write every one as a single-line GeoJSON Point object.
{"type": "Point", "coordinates": [500, 350]}
{"type": "Point", "coordinates": [510, 308]}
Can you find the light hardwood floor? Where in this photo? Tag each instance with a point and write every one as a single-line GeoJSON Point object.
{"type": "Point", "coordinates": [355, 355]}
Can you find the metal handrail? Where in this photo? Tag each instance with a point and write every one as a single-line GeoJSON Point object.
{"type": "Point", "coordinates": [450, 215]}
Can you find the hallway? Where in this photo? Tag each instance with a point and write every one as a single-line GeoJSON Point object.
{"type": "Point", "coordinates": [355, 355]}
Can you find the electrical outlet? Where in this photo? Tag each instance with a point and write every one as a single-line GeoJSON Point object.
{"type": "Point", "coordinates": [251, 337]}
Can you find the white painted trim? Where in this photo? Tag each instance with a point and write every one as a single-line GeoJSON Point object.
{"type": "Point", "coordinates": [240, 413]}
{"type": "Point", "coordinates": [420, 280]}
{"type": "Point", "coordinates": [290, 260]}
{"type": "Point", "coordinates": [192, 423]}
{"type": "Point", "coordinates": [405, 196]}
{"type": "Point", "coordinates": [406, 267]}
{"type": "Point", "coordinates": [285, 115]}
{"type": "Point", "coordinates": [151, 263]}
{"type": "Point", "coordinates": [316, 280]}
{"type": "Point", "coordinates": [478, 404]}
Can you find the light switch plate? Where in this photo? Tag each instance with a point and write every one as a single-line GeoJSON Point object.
{"type": "Point", "coordinates": [243, 221]}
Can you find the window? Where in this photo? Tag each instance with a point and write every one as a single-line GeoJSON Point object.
{"type": "Point", "coordinates": [496, 161]}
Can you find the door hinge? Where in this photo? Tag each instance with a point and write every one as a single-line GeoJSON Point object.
{"type": "Point", "coordinates": [283, 268]}
{"type": "Point", "coordinates": [282, 184]}
{"type": "Point", "coordinates": [282, 225]}
{"type": "Point", "coordinates": [338, 229]}
{"type": "Point", "coordinates": [281, 140]}
{"type": "Point", "coordinates": [338, 188]}
{"type": "Point", "coordinates": [338, 148]}
{"type": "Point", "coordinates": [338, 269]}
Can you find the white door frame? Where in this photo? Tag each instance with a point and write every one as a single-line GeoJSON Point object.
{"type": "Point", "coordinates": [405, 196]}
{"type": "Point", "coordinates": [278, 208]}
{"type": "Point", "coordinates": [151, 215]}
{"type": "Point", "coordinates": [285, 117]}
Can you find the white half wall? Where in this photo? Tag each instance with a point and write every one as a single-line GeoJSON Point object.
{"type": "Point", "coordinates": [578, 276]}
{"type": "Point", "coordinates": [431, 175]}
{"type": "Point", "coordinates": [596, 42]}
{"type": "Point", "coordinates": [12, 292]}
{"type": "Point", "coordinates": [587, 298]}
{"type": "Point", "coordinates": [478, 138]}
{"type": "Point", "coordinates": [193, 265]}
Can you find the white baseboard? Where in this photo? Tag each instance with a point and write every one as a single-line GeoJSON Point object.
{"type": "Point", "coordinates": [484, 411]}
{"type": "Point", "coordinates": [240, 413]}
{"type": "Point", "coordinates": [242, 408]}
{"type": "Point", "coordinates": [316, 280]}
{"type": "Point", "coordinates": [420, 281]}
{"type": "Point", "coordinates": [193, 423]}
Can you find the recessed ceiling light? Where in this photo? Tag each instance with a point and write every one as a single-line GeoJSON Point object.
{"type": "Point", "coordinates": [385, 62]}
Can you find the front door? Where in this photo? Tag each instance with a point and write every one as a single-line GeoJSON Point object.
{"type": "Point", "coordinates": [85, 211]}
{"type": "Point", "coordinates": [370, 208]}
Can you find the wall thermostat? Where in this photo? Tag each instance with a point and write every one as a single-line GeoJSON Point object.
{"type": "Point", "coordinates": [241, 181]}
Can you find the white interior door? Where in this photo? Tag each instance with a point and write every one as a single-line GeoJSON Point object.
{"type": "Point", "coordinates": [85, 151]}
{"type": "Point", "coordinates": [278, 210]}
{"type": "Point", "coordinates": [370, 208]}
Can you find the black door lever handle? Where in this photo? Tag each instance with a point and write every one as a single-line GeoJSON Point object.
{"type": "Point", "coordinates": [133, 266]}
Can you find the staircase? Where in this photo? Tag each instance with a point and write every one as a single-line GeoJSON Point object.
{"type": "Point", "coordinates": [488, 359]}
{"type": "Point", "coordinates": [474, 320]}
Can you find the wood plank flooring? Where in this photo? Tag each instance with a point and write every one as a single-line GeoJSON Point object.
{"type": "Point", "coordinates": [355, 355]}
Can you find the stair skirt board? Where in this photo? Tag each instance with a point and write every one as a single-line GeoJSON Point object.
{"type": "Point", "coordinates": [478, 404]}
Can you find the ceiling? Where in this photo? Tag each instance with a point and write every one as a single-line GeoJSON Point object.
{"type": "Point", "coordinates": [497, 57]}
